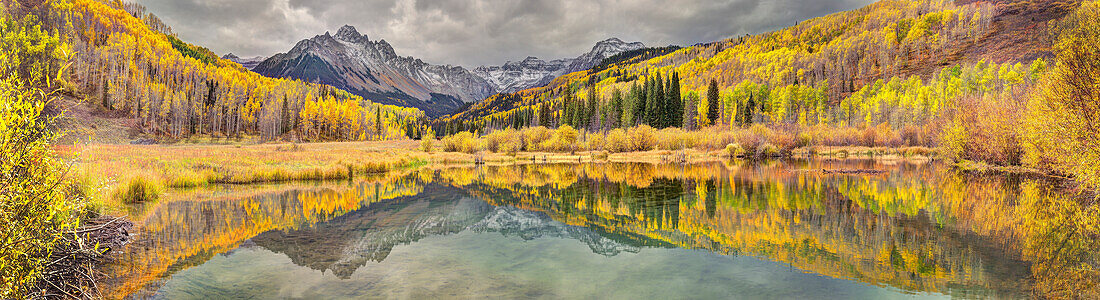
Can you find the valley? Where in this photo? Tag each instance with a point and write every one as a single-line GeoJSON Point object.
{"type": "Point", "coordinates": [934, 148]}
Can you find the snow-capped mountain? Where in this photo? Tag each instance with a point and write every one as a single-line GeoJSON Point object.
{"type": "Point", "coordinates": [246, 62]}
{"type": "Point", "coordinates": [533, 72]}
{"type": "Point", "coordinates": [372, 69]}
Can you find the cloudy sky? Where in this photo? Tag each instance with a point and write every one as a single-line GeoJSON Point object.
{"type": "Point", "coordinates": [480, 32]}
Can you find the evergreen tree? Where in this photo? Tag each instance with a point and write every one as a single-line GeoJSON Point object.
{"type": "Point", "coordinates": [662, 104]}
{"type": "Point", "coordinates": [378, 121]}
{"type": "Point", "coordinates": [712, 102]}
{"type": "Point", "coordinates": [593, 106]}
{"type": "Point", "coordinates": [749, 110]}
{"type": "Point", "coordinates": [674, 104]}
{"type": "Point", "coordinates": [616, 110]}
{"type": "Point", "coordinates": [638, 106]}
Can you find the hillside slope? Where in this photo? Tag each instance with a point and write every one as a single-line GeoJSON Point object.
{"type": "Point", "coordinates": [169, 89]}
{"type": "Point", "coordinates": [836, 55]}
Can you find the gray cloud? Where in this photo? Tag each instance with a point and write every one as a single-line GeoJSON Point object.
{"type": "Point", "coordinates": [480, 32]}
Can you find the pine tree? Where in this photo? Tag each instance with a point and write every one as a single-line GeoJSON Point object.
{"type": "Point", "coordinates": [616, 110]}
{"type": "Point", "coordinates": [593, 106]}
{"type": "Point", "coordinates": [638, 99]}
{"type": "Point", "coordinates": [712, 102]}
{"type": "Point", "coordinates": [674, 102]}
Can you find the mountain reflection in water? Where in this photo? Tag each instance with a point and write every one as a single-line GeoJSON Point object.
{"type": "Point", "coordinates": [918, 229]}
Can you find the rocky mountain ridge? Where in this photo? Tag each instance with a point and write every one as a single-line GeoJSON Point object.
{"type": "Point", "coordinates": [534, 72]}
{"type": "Point", "coordinates": [351, 61]}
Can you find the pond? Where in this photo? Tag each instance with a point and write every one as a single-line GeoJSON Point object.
{"type": "Point", "coordinates": [747, 230]}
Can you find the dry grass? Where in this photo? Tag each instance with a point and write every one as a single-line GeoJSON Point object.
{"type": "Point", "coordinates": [183, 166]}
{"type": "Point", "coordinates": [166, 167]}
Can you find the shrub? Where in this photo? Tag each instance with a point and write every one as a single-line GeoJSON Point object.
{"type": "Point", "coordinates": [712, 139]}
{"type": "Point", "coordinates": [508, 140]}
{"type": "Point", "coordinates": [911, 135]}
{"type": "Point", "coordinates": [868, 137]}
{"type": "Point", "coordinates": [617, 141]}
{"type": "Point", "coordinates": [754, 137]}
{"type": "Point", "coordinates": [137, 190]}
{"type": "Point", "coordinates": [735, 150]}
{"type": "Point", "coordinates": [564, 140]}
{"type": "Point", "coordinates": [785, 143]}
{"type": "Point", "coordinates": [847, 136]}
{"type": "Point", "coordinates": [642, 138]}
{"type": "Point", "coordinates": [1062, 131]}
{"type": "Point", "coordinates": [534, 138]}
{"type": "Point", "coordinates": [427, 143]}
{"type": "Point", "coordinates": [35, 209]}
{"type": "Point", "coordinates": [768, 150]}
{"type": "Point", "coordinates": [460, 142]}
{"type": "Point", "coordinates": [805, 139]}
{"type": "Point", "coordinates": [675, 139]}
{"type": "Point", "coordinates": [594, 141]}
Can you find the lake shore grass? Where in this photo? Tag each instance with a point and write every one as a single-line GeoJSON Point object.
{"type": "Point", "coordinates": [109, 171]}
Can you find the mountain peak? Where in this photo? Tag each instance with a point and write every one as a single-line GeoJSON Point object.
{"type": "Point", "coordinates": [613, 40]}
{"type": "Point", "coordinates": [230, 56]}
{"type": "Point", "coordinates": [616, 44]}
{"type": "Point", "coordinates": [348, 33]}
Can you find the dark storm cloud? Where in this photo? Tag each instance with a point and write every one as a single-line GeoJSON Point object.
{"type": "Point", "coordinates": [479, 32]}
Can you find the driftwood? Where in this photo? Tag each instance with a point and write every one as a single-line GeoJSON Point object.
{"type": "Point", "coordinates": [852, 171]}
{"type": "Point", "coordinates": [71, 274]}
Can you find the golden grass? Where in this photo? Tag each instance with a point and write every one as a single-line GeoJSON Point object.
{"type": "Point", "coordinates": [110, 168]}
{"type": "Point", "coordinates": [138, 189]}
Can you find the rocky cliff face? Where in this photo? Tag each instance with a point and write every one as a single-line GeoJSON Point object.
{"type": "Point", "coordinates": [533, 72]}
{"type": "Point", "coordinates": [350, 61]}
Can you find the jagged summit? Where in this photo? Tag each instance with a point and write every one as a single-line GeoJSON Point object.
{"type": "Point", "coordinates": [532, 72]}
{"type": "Point", "coordinates": [374, 70]}
{"type": "Point", "coordinates": [349, 33]}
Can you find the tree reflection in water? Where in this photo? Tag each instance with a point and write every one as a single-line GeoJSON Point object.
{"type": "Point", "coordinates": [916, 227]}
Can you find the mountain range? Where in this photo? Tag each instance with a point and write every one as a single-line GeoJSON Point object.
{"type": "Point", "coordinates": [351, 61]}
{"type": "Point", "coordinates": [246, 62]}
{"type": "Point", "coordinates": [534, 72]}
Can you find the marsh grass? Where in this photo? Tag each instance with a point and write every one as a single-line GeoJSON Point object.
{"type": "Point", "coordinates": [138, 189]}
{"type": "Point", "coordinates": [110, 168]}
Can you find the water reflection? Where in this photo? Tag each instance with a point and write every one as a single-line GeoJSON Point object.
{"type": "Point", "coordinates": [916, 228]}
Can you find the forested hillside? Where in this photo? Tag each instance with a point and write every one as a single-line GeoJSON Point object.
{"type": "Point", "coordinates": [1004, 83]}
{"type": "Point", "coordinates": [860, 67]}
{"type": "Point", "coordinates": [124, 60]}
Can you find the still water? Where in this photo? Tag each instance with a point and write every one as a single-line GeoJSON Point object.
{"type": "Point", "coordinates": [768, 230]}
